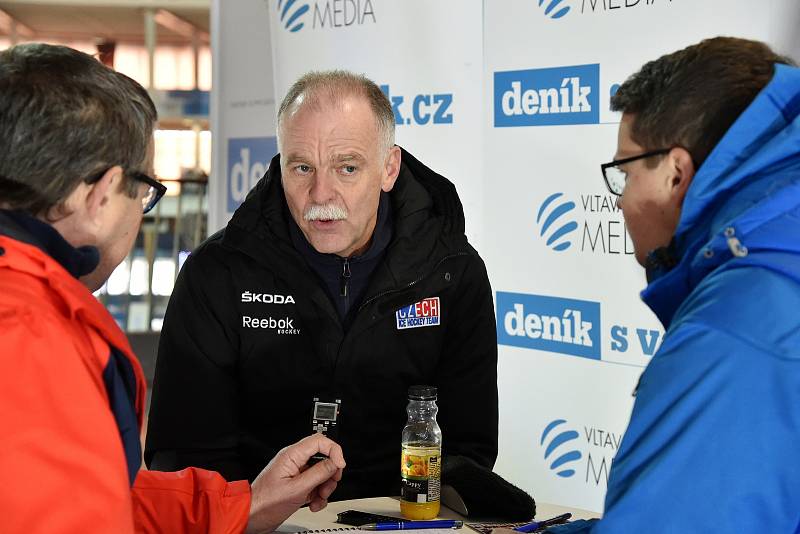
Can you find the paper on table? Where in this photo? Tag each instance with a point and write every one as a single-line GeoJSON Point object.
{"type": "Point", "coordinates": [486, 528]}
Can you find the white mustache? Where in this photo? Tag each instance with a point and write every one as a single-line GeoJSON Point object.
{"type": "Point", "coordinates": [325, 212]}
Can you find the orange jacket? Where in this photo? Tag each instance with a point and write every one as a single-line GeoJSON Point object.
{"type": "Point", "coordinates": [62, 461]}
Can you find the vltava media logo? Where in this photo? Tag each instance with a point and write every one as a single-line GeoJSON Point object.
{"type": "Point", "coordinates": [566, 326]}
{"type": "Point", "coordinates": [560, 448]}
{"type": "Point", "coordinates": [555, 221]}
{"type": "Point", "coordinates": [587, 453]}
{"type": "Point", "coordinates": [291, 14]}
{"type": "Point", "coordinates": [325, 14]}
{"type": "Point", "coordinates": [547, 97]}
{"type": "Point", "coordinates": [588, 222]}
{"type": "Point", "coordinates": [554, 8]}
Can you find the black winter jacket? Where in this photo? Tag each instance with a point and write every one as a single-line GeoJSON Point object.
{"type": "Point", "coordinates": [236, 374]}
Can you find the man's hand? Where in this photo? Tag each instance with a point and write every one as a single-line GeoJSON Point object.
{"type": "Point", "coordinates": [287, 483]}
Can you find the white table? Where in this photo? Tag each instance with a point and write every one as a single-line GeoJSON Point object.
{"type": "Point", "coordinates": [304, 519]}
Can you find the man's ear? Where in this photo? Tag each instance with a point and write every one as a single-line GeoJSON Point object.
{"type": "Point", "coordinates": [81, 216]}
{"type": "Point", "coordinates": [391, 168]}
{"type": "Point", "coordinates": [99, 193]}
{"type": "Point", "coordinates": [682, 172]}
{"type": "Point", "coordinates": [87, 200]}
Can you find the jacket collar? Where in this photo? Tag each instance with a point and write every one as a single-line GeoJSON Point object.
{"type": "Point", "coordinates": [23, 227]}
{"type": "Point", "coordinates": [747, 180]}
{"type": "Point", "coordinates": [427, 221]}
{"type": "Point", "coordinates": [74, 298]}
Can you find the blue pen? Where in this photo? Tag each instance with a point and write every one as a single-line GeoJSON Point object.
{"type": "Point", "coordinates": [411, 525]}
{"type": "Point", "coordinates": [530, 527]}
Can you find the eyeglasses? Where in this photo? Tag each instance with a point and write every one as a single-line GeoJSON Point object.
{"type": "Point", "coordinates": [615, 177]}
{"type": "Point", "coordinates": [154, 192]}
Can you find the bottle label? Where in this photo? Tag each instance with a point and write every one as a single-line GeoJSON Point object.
{"type": "Point", "coordinates": [421, 473]}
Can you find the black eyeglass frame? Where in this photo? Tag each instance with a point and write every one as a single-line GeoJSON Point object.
{"type": "Point", "coordinates": [618, 162]}
{"type": "Point", "coordinates": [159, 188]}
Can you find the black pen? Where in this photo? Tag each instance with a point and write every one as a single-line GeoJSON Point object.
{"type": "Point", "coordinates": [534, 525]}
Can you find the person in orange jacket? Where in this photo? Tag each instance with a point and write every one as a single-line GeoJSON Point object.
{"type": "Point", "coordinates": [76, 155]}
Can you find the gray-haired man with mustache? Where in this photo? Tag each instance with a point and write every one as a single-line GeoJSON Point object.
{"type": "Point", "coordinates": [344, 277]}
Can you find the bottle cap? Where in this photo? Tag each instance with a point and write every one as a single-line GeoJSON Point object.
{"type": "Point", "coordinates": [422, 392]}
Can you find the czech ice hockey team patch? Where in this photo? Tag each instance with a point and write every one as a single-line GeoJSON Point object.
{"type": "Point", "coordinates": [423, 313]}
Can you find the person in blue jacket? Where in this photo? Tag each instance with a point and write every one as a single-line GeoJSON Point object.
{"type": "Point", "coordinates": [707, 170]}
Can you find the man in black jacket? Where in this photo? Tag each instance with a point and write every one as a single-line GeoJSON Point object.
{"type": "Point", "coordinates": [345, 277]}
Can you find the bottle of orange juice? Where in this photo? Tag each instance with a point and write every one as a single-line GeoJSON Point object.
{"type": "Point", "coordinates": [421, 457]}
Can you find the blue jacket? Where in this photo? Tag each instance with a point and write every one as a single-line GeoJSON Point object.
{"type": "Point", "coordinates": [714, 437]}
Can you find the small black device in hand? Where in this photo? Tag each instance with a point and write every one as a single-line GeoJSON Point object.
{"type": "Point", "coordinates": [324, 416]}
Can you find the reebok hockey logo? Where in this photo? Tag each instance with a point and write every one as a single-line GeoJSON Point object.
{"type": "Point", "coordinates": [283, 326]}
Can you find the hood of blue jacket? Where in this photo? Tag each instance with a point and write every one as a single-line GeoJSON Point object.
{"type": "Point", "coordinates": [743, 205]}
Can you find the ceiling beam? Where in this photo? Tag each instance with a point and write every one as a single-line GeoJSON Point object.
{"type": "Point", "coordinates": [156, 4]}
{"type": "Point", "coordinates": [182, 27]}
{"type": "Point", "coordinates": [12, 27]}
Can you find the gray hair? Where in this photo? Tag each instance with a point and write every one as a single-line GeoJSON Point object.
{"type": "Point", "coordinates": [334, 85]}
{"type": "Point", "coordinates": [65, 118]}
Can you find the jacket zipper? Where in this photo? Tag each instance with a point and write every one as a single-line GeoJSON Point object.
{"type": "Point", "coordinates": [344, 290]}
{"type": "Point", "coordinates": [410, 284]}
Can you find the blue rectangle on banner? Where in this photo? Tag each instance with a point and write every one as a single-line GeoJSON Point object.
{"type": "Point", "coordinates": [193, 102]}
{"type": "Point", "coordinates": [566, 326]}
{"type": "Point", "coordinates": [547, 97]}
{"type": "Point", "coordinates": [248, 160]}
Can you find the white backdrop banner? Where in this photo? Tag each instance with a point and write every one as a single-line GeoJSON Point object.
{"type": "Point", "coordinates": [510, 100]}
{"type": "Point", "coordinates": [573, 334]}
{"type": "Point", "coordinates": [426, 56]}
{"type": "Point", "coordinates": [242, 104]}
